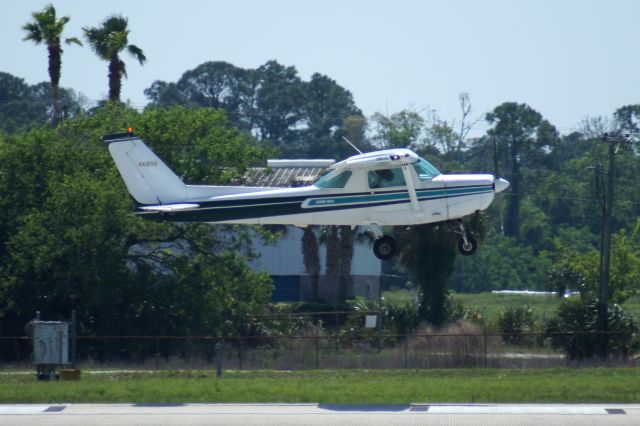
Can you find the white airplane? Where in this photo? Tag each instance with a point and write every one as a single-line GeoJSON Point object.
{"type": "Point", "coordinates": [393, 187]}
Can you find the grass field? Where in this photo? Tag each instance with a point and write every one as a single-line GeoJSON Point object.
{"type": "Point", "coordinates": [490, 304]}
{"type": "Point", "coordinates": [621, 385]}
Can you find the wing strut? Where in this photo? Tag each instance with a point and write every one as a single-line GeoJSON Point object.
{"type": "Point", "coordinates": [411, 187]}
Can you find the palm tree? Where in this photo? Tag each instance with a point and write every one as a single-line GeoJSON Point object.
{"type": "Point", "coordinates": [108, 41]}
{"type": "Point", "coordinates": [46, 28]}
{"type": "Point", "coordinates": [311, 259]}
{"type": "Point", "coordinates": [340, 242]}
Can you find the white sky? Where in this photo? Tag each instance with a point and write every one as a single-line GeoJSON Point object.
{"type": "Point", "coordinates": [568, 59]}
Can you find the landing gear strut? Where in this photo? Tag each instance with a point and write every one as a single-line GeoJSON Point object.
{"type": "Point", "coordinates": [385, 248]}
{"type": "Point", "coordinates": [467, 245]}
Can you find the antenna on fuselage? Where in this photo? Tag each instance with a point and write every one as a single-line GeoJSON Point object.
{"type": "Point", "coordinates": [352, 145]}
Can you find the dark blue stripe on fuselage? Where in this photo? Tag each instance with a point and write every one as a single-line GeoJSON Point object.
{"type": "Point", "coordinates": [216, 211]}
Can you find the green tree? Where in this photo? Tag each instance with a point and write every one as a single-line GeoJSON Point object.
{"type": "Point", "coordinates": [24, 107]}
{"type": "Point", "coordinates": [575, 329]}
{"type": "Point", "coordinates": [108, 41]}
{"type": "Point", "coordinates": [215, 84]}
{"type": "Point", "coordinates": [70, 238]}
{"type": "Point", "coordinates": [354, 128]}
{"type": "Point", "coordinates": [73, 103]}
{"type": "Point", "coordinates": [402, 129]}
{"type": "Point", "coordinates": [585, 267]}
{"type": "Point", "coordinates": [47, 28]}
{"type": "Point", "coordinates": [279, 100]}
{"type": "Point", "coordinates": [428, 252]}
{"type": "Point", "coordinates": [490, 269]}
{"type": "Point", "coordinates": [523, 137]}
{"type": "Point", "coordinates": [326, 107]}
{"type": "Point", "coordinates": [300, 118]}
{"type": "Point", "coordinates": [163, 94]}
{"type": "Point", "coordinates": [628, 118]}
{"type": "Point", "coordinates": [18, 110]}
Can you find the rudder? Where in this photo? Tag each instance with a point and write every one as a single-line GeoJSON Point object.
{"type": "Point", "coordinates": [148, 179]}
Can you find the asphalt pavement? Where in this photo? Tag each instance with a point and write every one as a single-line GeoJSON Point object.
{"type": "Point", "coordinates": [320, 414]}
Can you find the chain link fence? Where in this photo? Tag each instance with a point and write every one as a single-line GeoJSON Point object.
{"type": "Point", "coordinates": [311, 351]}
{"type": "Point", "coordinates": [322, 340]}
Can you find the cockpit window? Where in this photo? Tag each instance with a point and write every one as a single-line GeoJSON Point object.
{"type": "Point", "coordinates": [425, 170]}
{"type": "Point", "coordinates": [333, 179]}
{"type": "Point", "coordinates": [386, 178]}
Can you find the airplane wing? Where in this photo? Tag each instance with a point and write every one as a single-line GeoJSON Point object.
{"type": "Point", "coordinates": [170, 207]}
{"type": "Point", "coordinates": [388, 158]}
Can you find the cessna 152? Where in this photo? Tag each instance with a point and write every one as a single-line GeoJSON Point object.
{"type": "Point", "coordinates": [385, 188]}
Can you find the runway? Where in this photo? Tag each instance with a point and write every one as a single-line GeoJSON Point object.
{"type": "Point", "coordinates": [320, 414]}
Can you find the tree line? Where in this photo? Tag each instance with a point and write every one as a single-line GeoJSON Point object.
{"type": "Point", "coordinates": [58, 234]}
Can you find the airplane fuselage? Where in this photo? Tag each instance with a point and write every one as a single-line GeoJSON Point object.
{"type": "Point", "coordinates": [443, 198]}
{"type": "Point", "coordinates": [386, 188]}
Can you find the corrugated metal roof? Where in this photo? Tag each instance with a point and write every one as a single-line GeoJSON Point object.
{"type": "Point", "coordinates": [300, 163]}
{"type": "Point", "coordinates": [282, 176]}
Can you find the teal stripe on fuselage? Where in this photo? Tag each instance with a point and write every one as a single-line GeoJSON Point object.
{"type": "Point", "coordinates": [335, 201]}
{"type": "Point", "coordinates": [397, 196]}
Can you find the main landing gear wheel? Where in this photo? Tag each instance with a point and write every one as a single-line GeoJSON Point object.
{"type": "Point", "coordinates": [384, 248]}
{"type": "Point", "coordinates": [467, 246]}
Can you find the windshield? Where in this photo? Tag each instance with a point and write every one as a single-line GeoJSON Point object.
{"type": "Point", "coordinates": [425, 170]}
{"type": "Point", "coordinates": [333, 179]}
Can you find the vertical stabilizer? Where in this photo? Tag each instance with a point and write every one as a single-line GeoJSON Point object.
{"type": "Point", "coordinates": [148, 179]}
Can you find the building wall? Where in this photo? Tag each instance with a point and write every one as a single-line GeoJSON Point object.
{"type": "Point", "coordinates": [284, 259]}
{"type": "Point", "coordinates": [367, 286]}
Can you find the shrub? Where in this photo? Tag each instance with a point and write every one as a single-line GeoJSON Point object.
{"type": "Point", "coordinates": [575, 328]}
{"type": "Point", "coordinates": [401, 318]}
{"type": "Point", "coordinates": [457, 312]}
{"type": "Point", "coordinates": [514, 322]}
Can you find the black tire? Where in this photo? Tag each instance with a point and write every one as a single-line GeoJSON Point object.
{"type": "Point", "coordinates": [385, 248]}
{"type": "Point", "coordinates": [469, 248]}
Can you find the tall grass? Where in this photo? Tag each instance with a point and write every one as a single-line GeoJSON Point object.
{"type": "Point", "coordinates": [594, 385]}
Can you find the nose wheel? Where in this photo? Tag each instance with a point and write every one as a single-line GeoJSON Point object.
{"type": "Point", "coordinates": [385, 248]}
{"type": "Point", "coordinates": [467, 245]}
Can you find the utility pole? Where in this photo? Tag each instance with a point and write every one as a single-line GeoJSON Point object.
{"type": "Point", "coordinates": [605, 254]}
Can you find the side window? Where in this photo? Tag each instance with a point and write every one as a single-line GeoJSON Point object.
{"type": "Point", "coordinates": [334, 180]}
{"type": "Point", "coordinates": [386, 178]}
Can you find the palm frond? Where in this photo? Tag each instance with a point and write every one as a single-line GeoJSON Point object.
{"type": "Point", "coordinates": [98, 40]}
{"type": "Point", "coordinates": [137, 53]}
{"type": "Point", "coordinates": [73, 40]}
{"type": "Point", "coordinates": [115, 24]}
{"type": "Point", "coordinates": [33, 32]}
{"type": "Point", "coordinates": [118, 41]}
{"type": "Point", "coordinates": [123, 68]}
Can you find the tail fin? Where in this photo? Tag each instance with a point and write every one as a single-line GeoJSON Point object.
{"type": "Point", "coordinates": [148, 179]}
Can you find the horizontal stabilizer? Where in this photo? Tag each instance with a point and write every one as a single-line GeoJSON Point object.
{"type": "Point", "coordinates": [170, 207]}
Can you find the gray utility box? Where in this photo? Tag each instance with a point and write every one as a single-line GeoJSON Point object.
{"type": "Point", "coordinates": [50, 346]}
